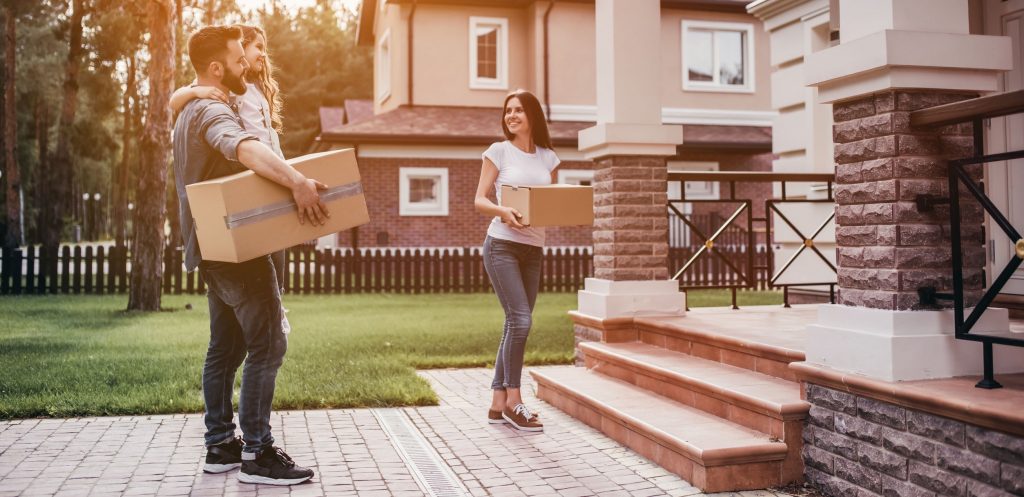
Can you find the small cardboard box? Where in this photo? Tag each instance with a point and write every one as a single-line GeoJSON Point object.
{"type": "Point", "coordinates": [551, 205]}
{"type": "Point", "coordinates": [244, 216]}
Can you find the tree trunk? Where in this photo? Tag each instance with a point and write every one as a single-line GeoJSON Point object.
{"type": "Point", "coordinates": [174, 239]}
{"type": "Point", "coordinates": [208, 15]}
{"type": "Point", "coordinates": [120, 193]}
{"type": "Point", "coordinates": [148, 248]}
{"type": "Point", "coordinates": [41, 189]}
{"type": "Point", "coordinates": [13, 175]}
{"type": "Point", "coordinates": [60, 202]}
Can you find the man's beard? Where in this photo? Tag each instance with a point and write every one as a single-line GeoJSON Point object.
{"type": "Point", "coordinates": [234, 82]}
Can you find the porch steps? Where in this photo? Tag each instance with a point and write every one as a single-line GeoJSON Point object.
{"type": "Point", "coordinates": [689, 337]}
{"type": "Point", "coordinates": [680, 391]}
{"type": "Point", "coordinates": [745, 397]}
{"type": "Point", "coordinates": [710, 452]}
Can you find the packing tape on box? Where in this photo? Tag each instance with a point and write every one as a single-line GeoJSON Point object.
{"type": "Point", "coordinates": [273, 210]}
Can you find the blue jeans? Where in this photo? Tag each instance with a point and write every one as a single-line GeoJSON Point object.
{"type": "Point", "coordinates": [514, 269]}
{"type": "Point", "coordinates": [245, 325]}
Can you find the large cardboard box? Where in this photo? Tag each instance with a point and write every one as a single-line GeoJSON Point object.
{"type": "Point", "coordinates": [551, 205]}
{"type": "Point", "coordinates": [244, 216]}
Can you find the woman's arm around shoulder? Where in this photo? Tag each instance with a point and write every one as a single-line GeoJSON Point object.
{"type": "Point", "coordinates": [186, 94]}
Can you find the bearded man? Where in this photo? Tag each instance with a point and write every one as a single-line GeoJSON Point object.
{"type": "Point", "coordinates": [244, 298]}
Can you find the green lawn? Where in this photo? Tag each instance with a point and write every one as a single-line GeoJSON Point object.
{"type": "Point", "coordinates": [68, 356]}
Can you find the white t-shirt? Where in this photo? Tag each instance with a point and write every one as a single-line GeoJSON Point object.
{"type": "Point", "coordinates": [254, 109]}
{"type": "Point", "coordinates": [518, 168]}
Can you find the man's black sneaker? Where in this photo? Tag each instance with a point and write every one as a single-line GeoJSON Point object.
{"type": "Point", "coordinates": [224, 456]}
{"type": "Point", "coordinates": [273, 467]}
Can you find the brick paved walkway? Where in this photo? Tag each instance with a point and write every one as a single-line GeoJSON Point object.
{"type": "Point", "coordinates": [349, 450]}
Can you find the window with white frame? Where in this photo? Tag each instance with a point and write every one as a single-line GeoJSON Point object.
{"type": "Point", "coordinates": [695, 190]}
{"type": "Point", "coordinates": [718, 56]}
{"type": "Point", "coordinates": [384, 67]}
{"type": "Point", "coordinates": [583, 177]}
{"type": "Point", "coordinates": [423, 191]}
{"type": "Point", "coordinates": [488, 53]}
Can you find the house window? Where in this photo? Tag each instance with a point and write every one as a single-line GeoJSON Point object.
{"type": "Point", "coordinates": [423, 191]}
{"type": "Point", "coordinates": [695, 190]}
{"type": "Point", "coordinates": [384, 67]}
{"type": "Point", "coordinates": [584, 177]}
{"type": "Point", "coordinates": [488, 53]}
{"type": "Point", "coordinates": [718, 56]}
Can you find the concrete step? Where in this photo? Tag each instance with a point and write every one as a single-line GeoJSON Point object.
{"type": "Point", "coordinates": [755, 400]}
{"type": "Point", "coordinates": [696, 335]}
{"type": "Point", "coordinates": [712, 453]}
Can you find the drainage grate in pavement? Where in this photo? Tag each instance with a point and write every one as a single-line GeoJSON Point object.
{"type": "Point", "coordinates": [432, 474]}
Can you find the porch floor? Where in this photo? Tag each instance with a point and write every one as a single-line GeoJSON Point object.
{"type": "Point", "coordinates": [771, 325]}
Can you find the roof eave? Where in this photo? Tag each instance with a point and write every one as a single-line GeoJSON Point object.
{"type": "Point", "coordinates": [364, 24]}
{"type": "Point", "coordinates": [376, 139]}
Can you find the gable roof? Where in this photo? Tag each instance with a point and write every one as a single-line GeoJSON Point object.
{"type": "Point", "coordinates": [449, 125]}
{"type": "Point", "coordinates": [357, 109]}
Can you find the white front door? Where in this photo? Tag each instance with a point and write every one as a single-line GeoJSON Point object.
{"type": "Point", "coordinates": [1005, 180]}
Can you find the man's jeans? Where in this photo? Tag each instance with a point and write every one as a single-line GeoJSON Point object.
{"type": "Point", "coordinates": [514, 269]}
{"type": "Point", "coordinates": [245, 324]}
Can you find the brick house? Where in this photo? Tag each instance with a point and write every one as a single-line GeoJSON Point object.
{"type": "Point", "coordinates": [442, 69]}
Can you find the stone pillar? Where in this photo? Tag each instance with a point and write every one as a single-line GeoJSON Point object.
{"type": "Point", "coordinates": [629, 146]}
{"type": "Point", "coordinates": [888, 247]}
{"type": "Point", "coordinates": [893, 60]}
{"type": "Point", "coordinates": [630, 218]}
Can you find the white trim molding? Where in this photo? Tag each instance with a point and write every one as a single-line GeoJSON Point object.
{"type": "Point", "coordinates": [675, 115]}
{"type": "Point", "coordinates": [383, 72]}
{"type": "Point", "coordinates": [438, 208]}
{"type": "Point", "coordinates": [500, 82]}
{"type": "Point", "coordinates": [575, 176]}
{"type": "Point", "coordinates": [904, 345]}
{"type": "Point", "coordinates": [715, 28]}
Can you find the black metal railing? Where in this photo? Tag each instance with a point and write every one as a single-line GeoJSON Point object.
{"type": "Point", "coordinates": [975, 111]}
{"type": "Point", "coordinates": [747, 256]}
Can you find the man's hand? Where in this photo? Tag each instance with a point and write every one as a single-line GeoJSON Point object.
{"type": "Point", "coordinates": [307, 199]}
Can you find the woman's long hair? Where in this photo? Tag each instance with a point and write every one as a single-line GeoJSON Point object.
{"type": "Point", "coordinates": [534, 114]}
{"type": "Point", "coordinates": [264, 80]}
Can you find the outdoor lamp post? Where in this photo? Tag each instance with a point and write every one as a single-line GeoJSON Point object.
{"type": "Point", "coordinates": [129, 228]}
{"type": "Point", "coordinates": [83, 220]}
{"type": "Point", "coordinates": [97, 220]}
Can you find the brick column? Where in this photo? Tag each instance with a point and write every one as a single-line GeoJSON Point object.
{"type": "Point", "coordinates": [887, 247]}
{"type": "Point", "coordinates": [630, 218]}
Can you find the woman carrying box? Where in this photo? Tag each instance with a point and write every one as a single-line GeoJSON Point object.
{"type": "Point", "coordinates": [512, 252]}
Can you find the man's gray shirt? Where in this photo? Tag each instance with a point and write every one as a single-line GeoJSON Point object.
{"type": "Point", "coordinates": [206, 138]}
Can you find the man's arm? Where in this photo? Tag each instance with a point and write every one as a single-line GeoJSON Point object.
{"type": "Point", "coordinates": [264, 162]}
{"type": "Point", "coordinates": [222, 131]}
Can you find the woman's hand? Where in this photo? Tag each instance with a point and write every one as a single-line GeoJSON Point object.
{"type": "Point", "coordinates": [211, 93]}
{"type": "Point", "coordinates": [511, 217]}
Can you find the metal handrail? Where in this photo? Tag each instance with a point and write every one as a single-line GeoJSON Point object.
{"type": "Point", "coordinates": [987, 107]}
{"type": "Point", "coordinates": [975, 111]}
{"type": "Point", "coordinates": [745, 271]}
{"type": "Point", "coordinates": [762, 176]}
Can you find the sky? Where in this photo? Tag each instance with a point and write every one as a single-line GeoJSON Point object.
{"type": "Point", "coordinates": [293, 4]}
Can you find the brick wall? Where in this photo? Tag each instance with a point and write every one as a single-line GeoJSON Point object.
{"type": "Point", "coordinates": [856, 446]}
{"type": "Point", "coordinates": [887, 249]}
{"type": "Point", "coordinates": [462, 227]}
